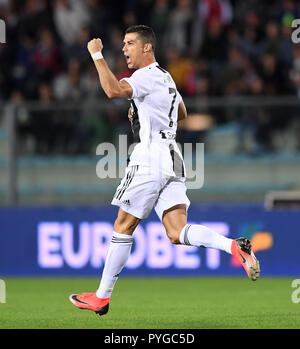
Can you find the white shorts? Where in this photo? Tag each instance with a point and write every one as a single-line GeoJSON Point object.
{"type": "Point", "coordinates": [141, 190]}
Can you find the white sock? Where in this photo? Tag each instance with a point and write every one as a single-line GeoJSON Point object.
{"type": "Point", "coordinates": [199, 235]}
{"type": "Point", "coordinates": [117, 256]}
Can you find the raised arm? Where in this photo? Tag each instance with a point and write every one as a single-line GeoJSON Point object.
{"type": "Point", "coordinates": [110, 84]}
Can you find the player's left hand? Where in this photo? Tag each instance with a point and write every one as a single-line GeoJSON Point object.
{"type": "Point", "coordinates": [129, 114]}
{"type": "Point", "coordinates": [94, 46]}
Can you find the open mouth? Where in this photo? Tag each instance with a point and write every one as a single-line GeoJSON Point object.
{"type": "Point", "coordinates": [128, 60]}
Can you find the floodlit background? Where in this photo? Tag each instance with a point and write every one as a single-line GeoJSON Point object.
{"type": "Point", "coordinates": [239, 73]}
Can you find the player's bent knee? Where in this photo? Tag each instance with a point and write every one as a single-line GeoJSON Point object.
{"type": "Point", "coordinates": [173, 237]}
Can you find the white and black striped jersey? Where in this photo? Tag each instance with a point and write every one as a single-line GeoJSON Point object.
{"type": "Point", "coordinates": [154, 104]}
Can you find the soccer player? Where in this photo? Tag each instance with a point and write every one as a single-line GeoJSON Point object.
{"type": "Point", "coordinates": [155, 175]}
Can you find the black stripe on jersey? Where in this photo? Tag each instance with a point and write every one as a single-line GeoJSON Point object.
{"type": "Point", "coordinates": [135, 123]}
{"type": "Point", "coordinates": [177, 162]}
{"type": "Point", "coordinates": [160, 68]}
{"type": "Point", "coordinates": [172, 156]}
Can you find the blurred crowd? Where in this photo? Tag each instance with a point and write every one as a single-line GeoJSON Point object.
{"type": "Point", "coordinates": [211, 48]}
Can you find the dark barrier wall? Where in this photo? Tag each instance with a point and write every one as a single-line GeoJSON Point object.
{"type": "Point", "coordinates": [73, 242]}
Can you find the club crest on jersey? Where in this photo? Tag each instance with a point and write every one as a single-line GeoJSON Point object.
{"type": "Point", "coordinates": [167, 79]}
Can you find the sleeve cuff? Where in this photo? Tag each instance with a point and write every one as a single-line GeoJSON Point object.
{"type": "Point", "coordinates": [132, 86]}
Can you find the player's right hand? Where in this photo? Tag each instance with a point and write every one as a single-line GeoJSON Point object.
{"type": "Point", "coordinates": [94, 46]}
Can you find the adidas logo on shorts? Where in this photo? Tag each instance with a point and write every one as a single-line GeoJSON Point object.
{"type": "Point", "coordinates": [126, 202]}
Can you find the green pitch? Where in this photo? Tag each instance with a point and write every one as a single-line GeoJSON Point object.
{"type": "Point", "coordinates": [149, 303]}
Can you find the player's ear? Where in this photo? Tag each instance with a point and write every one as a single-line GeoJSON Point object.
{"type": "Point", "coordinates": [147, 48]}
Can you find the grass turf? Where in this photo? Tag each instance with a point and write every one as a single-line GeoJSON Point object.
{"type": "Point", "coordinates": [153, 303]}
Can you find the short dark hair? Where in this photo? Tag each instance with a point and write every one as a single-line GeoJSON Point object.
{"type": "Point", "coordinates": [146, 34]}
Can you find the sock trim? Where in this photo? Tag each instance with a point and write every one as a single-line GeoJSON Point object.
{"type": "Point", "coordinates": [185, 235]}
{"type": "Point", "coordinates": [115, 241]}
{"type": "Point", "coordinates": [118, 238]}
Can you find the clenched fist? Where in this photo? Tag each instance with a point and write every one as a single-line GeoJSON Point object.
{"type": "Point", "coordinates": [94, 46]}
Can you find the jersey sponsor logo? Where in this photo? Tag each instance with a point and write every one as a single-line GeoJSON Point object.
{"type": "Point", "coordinates": [167, 134]}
